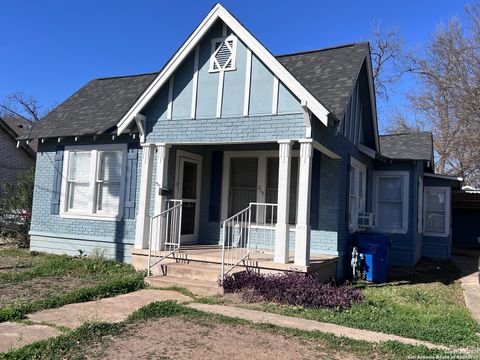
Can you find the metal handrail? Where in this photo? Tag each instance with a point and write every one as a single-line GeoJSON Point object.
{"type": "Point", "coordinates": [165, 236]}
{"type": "Point", "coordinates": [237, 243]}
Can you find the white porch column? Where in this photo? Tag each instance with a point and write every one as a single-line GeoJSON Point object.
{"type": "Point", "coordinates": [143, 218]}
{"type": "Point", "coordinates": [302, 233]}
{"type": "Point", "coordinates": [282, 228]}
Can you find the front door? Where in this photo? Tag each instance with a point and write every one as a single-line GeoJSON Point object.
{"type": "Point", "coordinates": [187, 189]}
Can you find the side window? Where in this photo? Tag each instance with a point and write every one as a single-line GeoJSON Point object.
{"type": "Point", "coordinates": [391, 201]}
{"type": "Point", "coordinates": [436, 216]}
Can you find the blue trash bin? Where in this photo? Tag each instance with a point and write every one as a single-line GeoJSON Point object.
{"type": "Point", "coordinates": [375, 248]}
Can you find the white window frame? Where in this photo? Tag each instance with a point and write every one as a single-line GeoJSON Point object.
{"type": "Point", "coordinates": [361, 171]}
{"type": "Point", "coordinates": [447, 190]}
{"type": "Point", "coordinates": [405, 176]}
{"type": "Point", "coordinates": [420, 206]}
{"type": "Point", "coordinates": [262, 157]}
{"type": "Point", "coordinates": [92, 213]}
{"type": "Point", "coordinates": [213, 53]}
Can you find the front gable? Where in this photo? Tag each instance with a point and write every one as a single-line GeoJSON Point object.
{"type": "Point", "coordinates": [257, 85]}
{"type": "Point", "coordinates": [195, 91]}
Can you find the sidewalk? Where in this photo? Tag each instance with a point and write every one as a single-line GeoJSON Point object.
{"type": "Point", "coordinates": [470, 285]}
{"type": "Point", "coordinates": [260, 317]}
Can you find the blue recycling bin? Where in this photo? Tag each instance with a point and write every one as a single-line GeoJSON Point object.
{"type": "Point", "coordinates": [375, 248]}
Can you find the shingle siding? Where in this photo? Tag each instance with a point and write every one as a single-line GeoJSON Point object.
{"type": "Point", "coordinates": [233, 129]}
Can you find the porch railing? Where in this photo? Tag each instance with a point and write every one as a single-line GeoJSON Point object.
{"type": "Point", "coordinates": [165, 233]}
{"type": "Point", "coordinates": [252, 229]}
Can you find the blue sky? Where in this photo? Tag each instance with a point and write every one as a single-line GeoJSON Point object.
{"type": "Point", "coordinates": [51, 48]}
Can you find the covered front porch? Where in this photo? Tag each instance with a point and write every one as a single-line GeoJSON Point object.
{"type": "Point", "coordinates": [237, 205]}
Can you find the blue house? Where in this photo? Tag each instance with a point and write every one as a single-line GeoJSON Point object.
{"type": "Point", "coordinates": [230, 156]}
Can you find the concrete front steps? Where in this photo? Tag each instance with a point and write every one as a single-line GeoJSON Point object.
{"type": "Point", "coordinates": [199, 278]}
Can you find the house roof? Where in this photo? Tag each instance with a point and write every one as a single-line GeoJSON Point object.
{"type": "Point", "coordinates": [94, 109]}
{"type": "Point", "coordinates": [329, 74]}
{"type": "Point", "coordinates": [97, 107]}
{"type": "Point", "coordinates": [16, 127]}
{"type": "Point", "coordinates": [409, 146]}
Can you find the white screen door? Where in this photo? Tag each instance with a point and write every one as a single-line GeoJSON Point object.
{"type": "Point", "coordinates": [189, 168]}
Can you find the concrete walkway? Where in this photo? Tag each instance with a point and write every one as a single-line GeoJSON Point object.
{"type": "Point", "coordinates": [260, 317]}
{"type": "Point", "coordinates": [110, 310]}
{"type": "Point", "coordinates": [17, 335]}
{"type": "Point", "coordinates": [470, 284]}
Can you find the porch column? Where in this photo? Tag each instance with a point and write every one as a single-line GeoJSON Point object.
{"type": "Point", "coordinates": [302, 232]}
{"type": "Point", "coordinates": [282, 228]}
{"type": "Point", "coordinates": [143, 219]}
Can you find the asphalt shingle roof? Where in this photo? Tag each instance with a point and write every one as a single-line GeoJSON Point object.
{"type": "Point", "coordinates": [329, 74]}
{"type": "Point", "coordinates": [95, 108]}
{"type": "Point", "coordinates": [411, 146]}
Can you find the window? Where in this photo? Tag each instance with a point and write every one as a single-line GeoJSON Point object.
{"type": "Point", "coordinates": [436, 216]}
{"type": "Point", "coordinates": [93, 181]}
{"type": "Point", "coordinates": [358, 180]}
{"type": "Point", "coordinates": [391, 201]}
{"type": "Point", "coordinates": [223, 54]}
{"type": "Point", "coordinates": [252, 176]}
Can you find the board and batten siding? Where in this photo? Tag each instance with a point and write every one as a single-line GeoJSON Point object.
{"type": "Point", "coordinates": [197, 105]}
{"type": "Point", "coordinates": [52, 233]}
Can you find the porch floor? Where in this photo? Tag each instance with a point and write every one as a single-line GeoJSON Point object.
{"type": "Point", "coordinates": [213, 254]}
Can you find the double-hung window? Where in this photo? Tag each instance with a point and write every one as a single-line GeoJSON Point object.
{"type": "Point", "coordinates": [436, 213]}
{"type": "Point", "coordinates": [93, 181]}
{"type": "Point", "coordinates": [391, 200]}
{"type": "Point", "coordinates": [358, 180]}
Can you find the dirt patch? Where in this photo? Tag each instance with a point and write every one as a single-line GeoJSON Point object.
{"type": "Point", "coordinates": [15, 263]}
{"type": "Point", "coordinates": [40, 288]}
{"type": "Point", "coordinates": [181, 338]}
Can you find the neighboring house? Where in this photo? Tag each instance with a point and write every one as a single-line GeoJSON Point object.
{"type": "Point", "coordinates": [285, 148]}
{"type": "Point", "coordinates": [14, 161]}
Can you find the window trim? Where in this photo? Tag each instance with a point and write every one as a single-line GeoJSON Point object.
{"type": "Point", "coordinates": [446, 231]}
{"type": "Point", "coordinates": [420, 195]}
{"type": "Point", "coordinates": [405, 175]}
{"type": "Point", "coordinates": [360, 167]}
{"type": "Point", "coordinates": [213, 52]}
{"type": "Point", "coordinates": [91, 214]}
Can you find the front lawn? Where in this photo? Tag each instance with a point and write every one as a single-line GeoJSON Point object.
{"type": "Point", "coordinates": [167, 330]}
{"type": "Point", "coordinates": [425, 303]}
{"type": "Point", "coordinates": [31, 281]}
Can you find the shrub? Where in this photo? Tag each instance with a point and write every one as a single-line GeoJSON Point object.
{"type": "Point", "coordinates": [293, 288]}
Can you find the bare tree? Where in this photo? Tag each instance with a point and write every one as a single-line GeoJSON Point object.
{"type": "Point", "coordinates": [399, 124]}
{"type": "Point", "coordinates": [448, 98]}
{"type": "Point", "coordinates": [22, 106]}
{"type": "Point", "coordinates": [387, 56]}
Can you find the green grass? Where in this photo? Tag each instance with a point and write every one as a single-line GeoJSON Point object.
{"type": "Point", "coordinates": [72, 345]}
{"type": "Point", "coordinates": [106, 278]}
{"type": "Point", "coordinates": [426, 304]}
